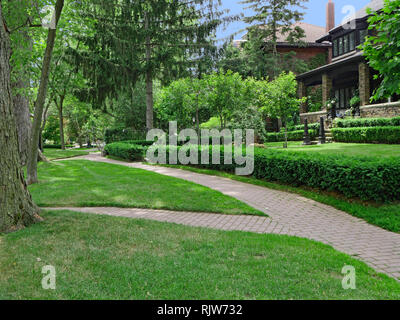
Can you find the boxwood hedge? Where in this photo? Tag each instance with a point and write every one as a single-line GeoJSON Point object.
{"type": "Point", "coordinates": [388, 135]}
{"type": "Point", "coordinates": [367, 122]}
{"type": "Point", "coordinates": [292, 136]}
{"type": "Point", "coordinates": [127, 151]}
{"type": "Point", "coordinates": [369, 179]}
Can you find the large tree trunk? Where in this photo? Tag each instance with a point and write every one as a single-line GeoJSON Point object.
{"type": "Point", "coordinates": [149, 81]}
{"type": "Point", "coordinates": [17, 209]}
{"type": "Point", "coordinates": [23, 120]}
{"type": "Point", "coordinates": [40, 101]}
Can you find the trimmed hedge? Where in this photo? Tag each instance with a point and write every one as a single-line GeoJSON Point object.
{"type": "Point", "coordinates": [311, 126]}
{"type": "Point", "coordinates": [388, 135]}
{"type": "Point", "coordinates": [355, 177]}
{"type": "Point", "coordinates": [377, 180]}
{"type": "Point", "coordinates": [292, 136]}
{"type": "Point", "coordinates": [56, 146]}
{"type": "Point", "coordinates": [131, 152]}
{"type": "Point", "coordinates": [367, 122]}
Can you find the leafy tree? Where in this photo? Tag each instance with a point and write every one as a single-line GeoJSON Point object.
{"type": "Point", "coordinates": [224, 94]}
{"type": "Point", "coordinates": [182, 101]}
{"type": "Point", "coordinates": [382, 50]}
{"type": "Point", "coordinates": [280, 100]}
{"type": "Point", "coordinates": [128, 41]}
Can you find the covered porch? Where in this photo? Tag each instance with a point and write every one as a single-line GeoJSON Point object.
{"type": "Point", "coordinates": [342, 79]}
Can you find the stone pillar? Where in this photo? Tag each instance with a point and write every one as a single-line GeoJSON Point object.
{"type": "Point", "coordinates": [364, 83]}
{"type": "Point", "coordinates": [302, 92]}
{"type": "Point", "coordinates": [326, 89]}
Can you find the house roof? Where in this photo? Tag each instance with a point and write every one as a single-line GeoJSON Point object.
{"type": "Point", "coordinates": [312, 32]}
{"type": "Point", "coordinates": [355, 57]}
{"type": "Point", "coordinates": [375, 5]}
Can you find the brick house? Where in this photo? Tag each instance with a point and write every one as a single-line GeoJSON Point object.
{"type": "Point", "coordinates": [348, 72]}
{"type": "Point", "coordinates": [308, 49]}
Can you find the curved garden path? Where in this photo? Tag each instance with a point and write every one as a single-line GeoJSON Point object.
{"type": "Point", "coordinates": [289, 214]}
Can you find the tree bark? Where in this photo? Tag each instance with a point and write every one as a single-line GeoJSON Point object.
{"type": "Point", "coordinates": [149, 81]}
{"type": "Point", "coordinates": [23, 119]}
{"type": "Point", "coordinates": [17, 209]}
{"type": "Point", "coordinates": [40, 101]}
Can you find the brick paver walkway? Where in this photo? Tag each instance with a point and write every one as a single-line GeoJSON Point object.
{"type": "Point", "coordinates": [289, 214]}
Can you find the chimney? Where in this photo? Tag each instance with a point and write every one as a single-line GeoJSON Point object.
{"type": "Point", "coordinates": [330, 16]}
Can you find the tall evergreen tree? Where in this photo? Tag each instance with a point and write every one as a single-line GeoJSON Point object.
{"type": "Point", "coordinates": [146, 40]}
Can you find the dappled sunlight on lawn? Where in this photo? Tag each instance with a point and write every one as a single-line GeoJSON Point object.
{"type": "Point", "coordinates": [83, 183]}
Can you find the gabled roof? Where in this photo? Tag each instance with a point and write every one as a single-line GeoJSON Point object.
{"type": "Point", "coordinates": [375, 5]}
{"type": "Point", "coordinates": [312, 32]}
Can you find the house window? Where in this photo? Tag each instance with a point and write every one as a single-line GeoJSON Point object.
{"type": "Point", "coordinates": [344, 96]}
{"type": "Point", "coordinates": [340, 46]}
{"type": "Point", "coordinates": [335, 48]}
{"type": "Point", "coordinates": [363, 35]}
{"type": "Point", "coordinates": [352, 40]}
{"type": "Point", "coordinates": [342, 99]}
{"type": "Point", "coordinates": [344, 44]}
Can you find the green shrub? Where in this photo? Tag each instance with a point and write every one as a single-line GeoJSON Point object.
{"type": "Point", "coordinates": [377, 180]}
{"type": "Point", "coordinates": [311, 126]}
{"type": "Point", "coordinates": [123, 134]}
{"type": "Point", "coordinates": [56, 146]}
{"type": "Point", "coordinates": [367, 122]}
{"type": "Point", "coordinates": [131, 152]}
{"type": "Point", "coordinates": [365, 178]}
{"type": "Point", "coordinates": [291, 135]}
{"type": "Point", "coordinates": [389, 135]}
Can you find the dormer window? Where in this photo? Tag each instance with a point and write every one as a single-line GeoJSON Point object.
{"type": "Point", "coordinates": [352, 39]}
{"type": "Point", "coordinates": [341, 49]}
{"type": "Point", "coordinates": [348, 42]}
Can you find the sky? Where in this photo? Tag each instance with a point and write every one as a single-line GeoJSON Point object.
{"type": "Point", "coordinates": [314, 14]}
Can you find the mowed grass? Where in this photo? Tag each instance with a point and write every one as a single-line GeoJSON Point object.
{"type": "Point", "coordinates": [386, 216]}
{"type": "Point", "coordinates": [102, 257]}
{"type": "Point", "coordinates": [81, 183]}
{"type": "Point", "coordinates": [348, 149]}
{"type": "Point", "coordinates": [53, 154]}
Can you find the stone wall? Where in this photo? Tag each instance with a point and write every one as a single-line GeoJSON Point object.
{"type": "Point", "coordinates": [384, 110]}
{"type": "Point", "coordinates": [313, 117]}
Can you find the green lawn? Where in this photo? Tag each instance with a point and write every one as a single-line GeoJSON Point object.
{"type": "Point", "coordinates": [83, 183]}
{"type": "Point", "coordinates": [351, 149]}
{"type": "Point", "coordinates": [102, 257]}
{"type": "Point", "coordinates": [53, 154]}
{"type": "Point", "coordinates": [386, 216]}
